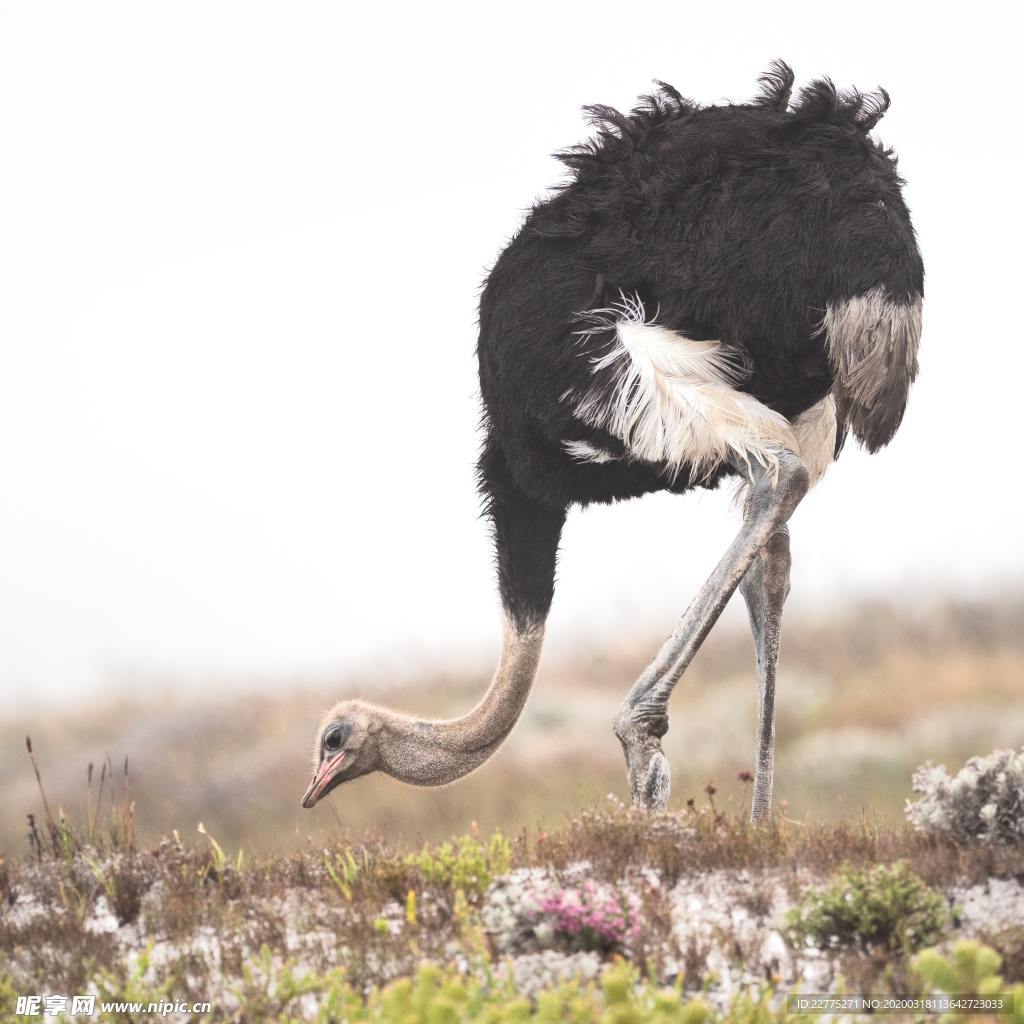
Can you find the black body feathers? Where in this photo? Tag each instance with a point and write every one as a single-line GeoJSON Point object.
{"type": "Point", "coordinates": [744, 224]}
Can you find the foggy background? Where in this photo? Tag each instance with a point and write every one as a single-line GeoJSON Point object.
{"type": "Point", "coordinates": [240, 254]}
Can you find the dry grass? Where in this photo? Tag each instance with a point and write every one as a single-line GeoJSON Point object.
{"type": "Point", "coordinates": [864, 697]}
{"type": "Point", "coordinates": [700, 840]}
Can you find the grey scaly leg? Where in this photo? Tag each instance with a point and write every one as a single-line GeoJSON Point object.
{"type": "Point", "coordinates": [642, 719]}
{"type": "Point", "coordinates": [765, 588]}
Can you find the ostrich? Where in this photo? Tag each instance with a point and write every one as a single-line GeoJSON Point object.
{"type": "Point", "coordinates": [721, 291]}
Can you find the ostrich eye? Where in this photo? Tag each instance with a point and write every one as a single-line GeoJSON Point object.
{"type": "Point", "coordinates": [334, 737]}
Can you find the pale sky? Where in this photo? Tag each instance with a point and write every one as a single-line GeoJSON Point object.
{"type": "Point", "coordinates": [240, 252]}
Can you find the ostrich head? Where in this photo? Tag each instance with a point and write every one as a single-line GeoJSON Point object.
{"type": "Point", "coordinates": [356, 738]}
{"type": "Point", "coordinates": [347, 746]}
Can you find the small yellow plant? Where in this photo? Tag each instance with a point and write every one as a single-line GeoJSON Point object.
{"type": "Point", "coordinates": [346, 870]}
{"type": "Point", "coordinates": [221, 861]}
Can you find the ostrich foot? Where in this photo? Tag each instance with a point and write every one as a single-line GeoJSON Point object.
{"type": "Point", "coordinates": [646, 765]}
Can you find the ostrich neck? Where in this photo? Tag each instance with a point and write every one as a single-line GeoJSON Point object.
{"type": "Point", "coordinates": [427, 752]}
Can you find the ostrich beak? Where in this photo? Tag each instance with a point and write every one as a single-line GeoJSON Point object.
{"type": "Point", "coordinates": [322, 778]}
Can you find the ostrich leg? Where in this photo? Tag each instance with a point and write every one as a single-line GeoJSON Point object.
{"type": "Point", "coordinates": [765, 588]}
{"type": "Point", "coordinates": [642, 719]}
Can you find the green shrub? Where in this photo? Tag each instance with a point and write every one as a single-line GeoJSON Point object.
{"type": "Point", "coordinates": [888, 908]}
{"type": "Point", "coordinates": [132, 988]}
{"type": "Point", "coordinates": [442, 996]}
{"type": "Point", "coordinates": [468, 864]}
{"type": "Point", "coordinates": [273, 991]}
{"type": "Point", "coordinates": [972, 970]}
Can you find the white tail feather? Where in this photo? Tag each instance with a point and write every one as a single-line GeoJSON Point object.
{"type": "Point", "coordinates": [673, 401]}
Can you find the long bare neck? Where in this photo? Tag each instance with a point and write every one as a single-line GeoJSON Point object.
{"type": "Point", "coordinates": [427, 752]}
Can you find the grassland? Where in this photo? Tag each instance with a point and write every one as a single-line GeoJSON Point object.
{"type": "Point", "coordinates": [688, 917]}
{"type": "Point", "coordinates": [553, 901]}
{"type": "Point", "coordinates": [865, 695]}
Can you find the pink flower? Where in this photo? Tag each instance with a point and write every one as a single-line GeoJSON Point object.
{"type": "Point", "coordinates": [589, 917]}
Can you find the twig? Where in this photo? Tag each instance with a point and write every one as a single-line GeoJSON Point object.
{"type": "Point", "coordinates": [39, 781]}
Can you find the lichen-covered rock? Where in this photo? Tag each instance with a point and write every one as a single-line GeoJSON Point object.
{"type": "Point", "coordinates": [535, 972]}
{"type": "Point", "coordinates": [990, 907]}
